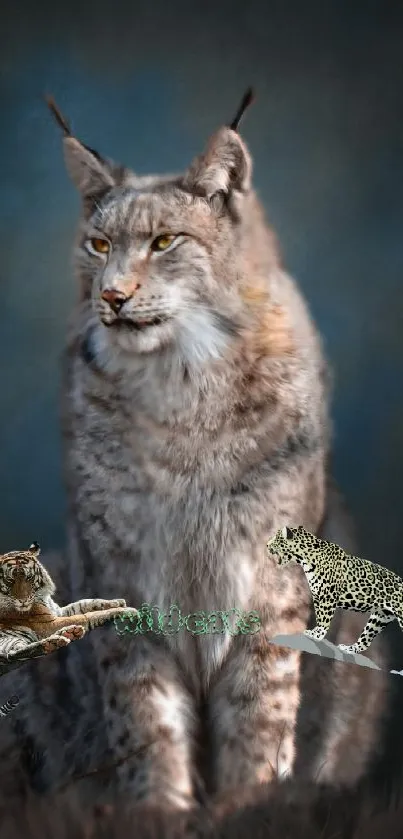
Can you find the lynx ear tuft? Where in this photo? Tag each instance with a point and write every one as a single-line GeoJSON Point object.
{"type": "Point", "coordinates": [90, 173]}
{"type": "Point", "coordinates": [247, 100]}
{"type": "Point", "coordinates": [58, 116]}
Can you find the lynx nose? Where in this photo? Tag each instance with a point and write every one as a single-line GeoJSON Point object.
{"type": "Point", "coordinates": [115, 298]}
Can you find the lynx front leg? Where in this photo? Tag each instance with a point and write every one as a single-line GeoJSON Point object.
{"type": "Point", "coordinates": [150, 720]}
{"type": "Point", "coordinates": [374, 625]}
{"type": "Point", "coordinates": [324, 612]}
{"type": "Point", "coordinates": [253, 714]}
{"type": "Point", "coordinates": [83, 606]}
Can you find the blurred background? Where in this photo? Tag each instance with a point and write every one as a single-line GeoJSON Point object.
{"type": "Point", "coordinates": [146, 84]}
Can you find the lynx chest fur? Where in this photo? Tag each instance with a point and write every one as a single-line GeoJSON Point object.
{"type": "Point", "coordinates": [195, 426]}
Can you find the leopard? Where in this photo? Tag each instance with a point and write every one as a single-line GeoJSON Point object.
{"type": "Point", "coordinates": [339, 580]}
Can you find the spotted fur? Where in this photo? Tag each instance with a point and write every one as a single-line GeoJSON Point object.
{"type": "Point", "coordinates": [338, 580]}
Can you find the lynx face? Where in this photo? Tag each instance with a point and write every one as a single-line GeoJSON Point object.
{"type": "Point", "coordinates": [152, 257]}
{"type": "Point", "coordinates": [22, 580]}
{"type": "Point", "coordinates": [158, 257]}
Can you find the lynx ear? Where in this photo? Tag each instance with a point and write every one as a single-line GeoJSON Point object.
{"type": "Point", "coordinates": [225, 167]}
{"type": "Point", "coordinates": [89, 172]}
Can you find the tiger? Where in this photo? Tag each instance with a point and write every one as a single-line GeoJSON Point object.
{"type": "Point", "coordinates": [9, 706]}
{"type": "Point", "coordinates": [32, 624]}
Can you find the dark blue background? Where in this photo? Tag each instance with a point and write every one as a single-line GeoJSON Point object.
{"type": "Point", "coordinates": [147, 85]}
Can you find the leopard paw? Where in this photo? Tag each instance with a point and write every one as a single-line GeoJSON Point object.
{"type": "Point", "coordinates": [317, 634]}
{"type": "Point", "coordinates": [349, 648]}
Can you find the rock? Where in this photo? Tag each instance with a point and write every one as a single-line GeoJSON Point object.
{"type": "Point", "coordinates": [324, 648]}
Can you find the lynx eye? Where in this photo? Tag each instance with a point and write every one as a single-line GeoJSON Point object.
{"type": "Point", "coordinates": [98, 245]}
{"type": "Point", "coordinates": [161, 243]}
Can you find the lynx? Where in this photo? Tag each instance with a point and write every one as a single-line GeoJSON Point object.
{"type": "Point", "coordinates": [195, 422]}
